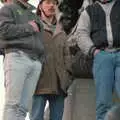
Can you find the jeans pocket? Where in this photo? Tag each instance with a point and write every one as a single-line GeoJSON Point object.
{"type": "Point", "coordinates": [102, 52]}
{"type": "Point", "coordinates": [100, 58]}
{"type": "Point", "coordinates": [97, 55]}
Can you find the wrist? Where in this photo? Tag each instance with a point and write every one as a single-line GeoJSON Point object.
{"type": "Point", "coordinates": [96, 52]}
{"type": "Point", "coordinates": [91, 51]}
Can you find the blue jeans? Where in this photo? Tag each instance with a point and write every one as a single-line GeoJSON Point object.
{"type": "Point", "coordinates": [106, 71]}
{"type": "Point", "coordinates": [21, 76]}
{"type": "Point", "coordinates": [56, 105]}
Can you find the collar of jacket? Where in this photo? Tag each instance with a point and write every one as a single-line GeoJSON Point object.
{"type": "Point", "coordinates": [49, 26]}
{"type": "Point", "coordinates": [25, 5]}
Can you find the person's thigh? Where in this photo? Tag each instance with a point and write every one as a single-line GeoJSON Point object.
{"type": "Point", "coordinates": [30, 84]}
{"type": "Point", "coordinates": [103, 71]}
{"type": "Point", "coordinates": [38, 106]}
{"type": "Point", "coordinates": [56, 104]}
{"type": "Point", "coordinates": [117, 74]}
{"type": "Point", "coordinates": [20, 82]}
{"type": "Point", "coordinates": [16, 69]}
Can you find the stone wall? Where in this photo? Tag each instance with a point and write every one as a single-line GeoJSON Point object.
{"type": "Point", "coordinates": [80, 104]}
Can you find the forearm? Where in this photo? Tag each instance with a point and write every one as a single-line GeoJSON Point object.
{"type": "Point", "coordinates": [11, 31]}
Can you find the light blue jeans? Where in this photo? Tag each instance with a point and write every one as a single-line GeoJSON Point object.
{"type": "Point", "coordinates": [56, 105]}
{"type": "Point", "coordinates": [21, 76]}
{"type": "Point", "coordinates": [106, 71]}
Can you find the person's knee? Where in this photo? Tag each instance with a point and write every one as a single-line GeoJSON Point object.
{"type": "Point", "coordinates": [113, 113]}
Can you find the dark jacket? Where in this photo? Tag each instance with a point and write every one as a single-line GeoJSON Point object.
{"type": "Point", "coordinates": [99, 27]}
{"type": "Point", "coordinates": [15, 32]}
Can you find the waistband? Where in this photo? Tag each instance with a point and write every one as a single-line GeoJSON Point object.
{"type": "Point", "coordinates": [28, 52]}
{"type": "Point", "coordinates": [112, 50]}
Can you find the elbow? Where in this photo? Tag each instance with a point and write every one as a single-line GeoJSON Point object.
{"type": "Point", "coordinates": [3, 35]}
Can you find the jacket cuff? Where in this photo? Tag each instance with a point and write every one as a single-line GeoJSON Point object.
{"type": "Point", "coordinates": [91, 51]}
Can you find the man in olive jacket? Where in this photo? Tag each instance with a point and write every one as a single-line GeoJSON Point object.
{"type": "Point", "coordinates": [21, 37]}
{"type": "Point", "coordinates": [55, 79]}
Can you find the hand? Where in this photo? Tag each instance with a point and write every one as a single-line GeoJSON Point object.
{"type": "Point", "coordinates": [96, 52]}
{"type": "Point", "coordinates": [34, 25]}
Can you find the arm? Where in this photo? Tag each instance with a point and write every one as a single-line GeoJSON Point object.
{"type": "Point", "coordinates": [82, 34]}
{"type": "Point", "coordinates": [9, 29]}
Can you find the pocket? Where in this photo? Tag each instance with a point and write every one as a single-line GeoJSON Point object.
{"type": "Point", "coordinates": [97, 54]}
{"type": "Point", "coordinates": [101, 57]}
{"type": "Point", "coordinates": [10, 59]}
{"type": "Point", "coordinates": [102, 52]}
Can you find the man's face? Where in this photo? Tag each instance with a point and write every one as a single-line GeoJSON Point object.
{"type": "Point", "coordinates": [49, 7]}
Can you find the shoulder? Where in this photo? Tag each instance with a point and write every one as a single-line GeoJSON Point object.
{"type": "Point", "coordinates": [8, 7]}
{"type": "Point", "coordinates": [93, 6]}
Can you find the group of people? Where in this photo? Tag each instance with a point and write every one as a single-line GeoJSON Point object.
{"type": "Point", "coordinates": [36, 56]}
